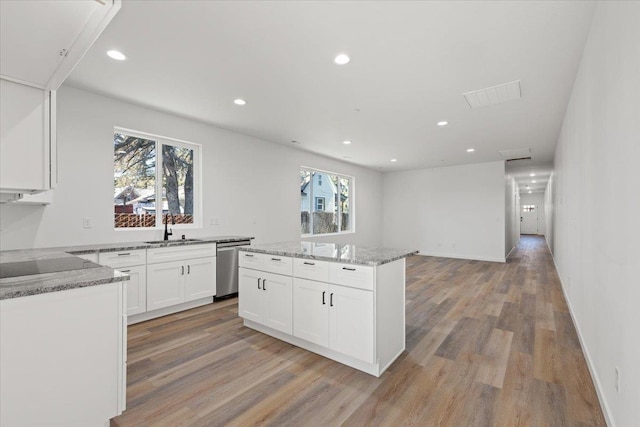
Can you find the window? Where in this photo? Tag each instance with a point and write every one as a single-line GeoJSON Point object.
{"type": "Point", "coordinates": [326, 200]}
{"type": "Point", "coordinates": [155, 179]}
{"type": "Point", "coordinates": [528, 208]}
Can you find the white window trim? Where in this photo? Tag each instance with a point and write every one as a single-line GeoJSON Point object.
{"type": "Point", "coordinates": [197, 182]}
{"type": "Point", "coordinates": [352, 203]}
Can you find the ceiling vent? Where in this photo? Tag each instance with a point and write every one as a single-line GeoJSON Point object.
{"type": "Point", "coordinates": [516, 154]}
{"type": "Point", "coordinates": [494, 95]}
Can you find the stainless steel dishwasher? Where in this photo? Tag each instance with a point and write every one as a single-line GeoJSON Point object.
{"type": "Point", "coordinates": [227, 268]}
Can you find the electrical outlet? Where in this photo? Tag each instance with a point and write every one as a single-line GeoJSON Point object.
{"type": "Point", "coordinates": [86, 222]}
{"type": "Point", "coordinates": [617, 379]}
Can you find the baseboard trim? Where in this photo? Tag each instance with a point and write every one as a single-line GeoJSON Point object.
{"type": "Point", "coordinates": [510, 252]}
{"type": "Point", "coordinates": [457, 256]}
{"type": "Point", "coordinates": [594, 375]}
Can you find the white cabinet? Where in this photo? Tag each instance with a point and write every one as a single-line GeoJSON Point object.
{"type": "Point", "coordinates": [351, 322]}
{"type": "Point", "coordinates": [354, 314]}
{"type": "Point", "coordinates": [311, 311]}
{"type": "Point", "coordinates": [27, 138]}
{"type": "Point", "coordinates": [63, 357]}
{"type": "Point", "coordinates": [266, 298]}
{"type": "Point", "coordinates": [180, 274]}
{"type": "Point", "coordinates": [133, 263]}
{"type": "Point", "coordinates": [333, 316]}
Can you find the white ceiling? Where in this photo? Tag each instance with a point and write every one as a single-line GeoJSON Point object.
{"type": "Point", "coordinates": [410, 64]}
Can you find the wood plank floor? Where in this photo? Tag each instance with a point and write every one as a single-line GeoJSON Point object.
{"type": "Point", "coordinates": [488, 344]}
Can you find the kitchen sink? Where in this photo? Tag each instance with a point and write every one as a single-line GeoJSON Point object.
{"type": "Point", "coordinates": [166, 242]}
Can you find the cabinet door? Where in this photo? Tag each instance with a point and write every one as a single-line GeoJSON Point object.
{"type": "Point", "coordinates": [311, 311]}
{"type": "Point", "coordinates": [136, 289]}
{"type": "Point", "coordinates": [351, 322]}
{"type": "Point", "coordinates": [165, 284]}
{"type": "Point", "coordinates": [24, 137]}
{"type": "Point", "coordinates": [250, 294]}
{"type": "Point", "coordinates": [278, 304]}
{"type": "Point", "coordinates": [200, 281]}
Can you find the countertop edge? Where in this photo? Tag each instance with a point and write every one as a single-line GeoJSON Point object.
{"type": "Point", "coordinates": [329, 259]}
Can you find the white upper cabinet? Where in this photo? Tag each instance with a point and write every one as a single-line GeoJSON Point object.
{"type": "Point", "coordinates": [40, 44]}
{"type": "Point", "coordinates": [42, 41]}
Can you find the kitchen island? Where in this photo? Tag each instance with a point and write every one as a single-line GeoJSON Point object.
{"type": "Point", "coordinates": [344, 302]}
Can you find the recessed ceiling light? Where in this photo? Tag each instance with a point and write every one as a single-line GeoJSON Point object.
{"type": "Point", "coordinates": [529, 191]}
{"type": "Point", "coordinates": [470, 150]}
{"type": "Point", "coordinates": [346, 142]}
{"type": "Point", "coordinates": [443, 123]}
{"type": "Point", "coordinates": [532, 174]}
{"type": "Point", "coordinates": [239, 101]}
{"type": "Point", "coordinates": [394, 160]}
{"type": "Point", "coordinates": [117, 55]}
{"type": "Point", "coordinates": [534, 181]}
{"type": "Point", "coordinates": [342, 59]}
{"type": "Point", "coordinates": [347, 158]}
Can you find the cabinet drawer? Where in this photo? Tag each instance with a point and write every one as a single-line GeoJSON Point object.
{"type": "Point", "coordinates": [267, 262]}
{"type": "Point", "coordinates": [178, 253]}
{"type": "Point", "coordinates": [251, 260]}
{"type": "Point", "coordinates": [123, 258]}
{"type": "Point", "coordinates": [355, 276]}
{"type": "Point", "coordinates": [311, 269]}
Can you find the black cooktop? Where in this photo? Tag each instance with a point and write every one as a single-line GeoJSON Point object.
{"type": "Point", "coordinates": [52, 265]}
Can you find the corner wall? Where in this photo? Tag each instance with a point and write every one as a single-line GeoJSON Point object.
{"type": "Point", "coordinates": [250, 186]}
{"type": "Point", "coordinates": [596, 206]}
{"type": "Point", "coordinates": [511, 214]}
{"type": "Point", "coordinates": [456, 212]}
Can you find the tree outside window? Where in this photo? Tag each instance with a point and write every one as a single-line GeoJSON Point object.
{"type": "Point", "coordinates": [149, 188]}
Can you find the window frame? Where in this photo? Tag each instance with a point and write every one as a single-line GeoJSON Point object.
{"type": "Point", "coordinates": [320, 199]}
{"type": "Point", "coordinates": [352, 210]}
{"type": "Point", "coordinates": [197, 177]}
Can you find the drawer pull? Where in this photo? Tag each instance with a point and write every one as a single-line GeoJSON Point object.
{"type": "Point", "coordinates": [264, 284]}
{"type": "Point", "coordinates": [183, 270]}
{"type": "Point", "coordinates": [124, 254]}
{"type": "Point", "coordinates": [309, 263]}
{"type": "Point", "coordinates": [248, 255]}
{"type": "Point", "coordinates": [348, 269]}
{"type": "Point", "coordinates": [259, 283]}
{"type": "Point", "coordinates": [276, 259]}
{"type": "Point", "coordinates": [188, 269]}
{"type": "Point", "coordinates": [323, 302]}
{"type": "Point", "coordinates": [124, 271]}
{"type": "Point", "coordinates": [331, 299]}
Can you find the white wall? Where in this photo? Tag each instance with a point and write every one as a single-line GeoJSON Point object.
{"type": "Point", "coordinates": [455, 211]}
{"type": "Point", "coordinates": [596, 205]}
{"type": "Point", "coordinates": [511, 214]}
{"type": "Point", "coordinates": [251, 186]}
{"type": "Point", "coordinates": [538, 200]}
{"type": "Point", "coordinates": [549, 194]}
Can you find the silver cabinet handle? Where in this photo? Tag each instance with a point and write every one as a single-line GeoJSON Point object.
{"type": "Point", "coordinates": [323, 302]}
{"type": "Point", "coordinates": [188, 269]}
{"type": "Point", "coordinates": [331, 299]}
{"type": "Point", "coordinates": [183, 270]}
{"type": "Point", "coordinates": [124, 271]}
{"type": "Point", "coordinates": [276, 259]}
{"type": "Point", "coordinates": [124, 254]}
{"type": "Point", "coordinates": [348, 269]}
{"type": "Point", "coordinates": [259, 283]}
{"type": "Point", "coordinates": [248, 255]}
{"type": "Point", "coordinates": [264, 284]}
{"type": "Point", "coordinates": [309, 263]}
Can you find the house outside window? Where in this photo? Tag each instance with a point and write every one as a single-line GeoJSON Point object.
{"type": "Point", "coordinates": [326, 202]}
{"type": "Point", "coordinates": [155, 179]}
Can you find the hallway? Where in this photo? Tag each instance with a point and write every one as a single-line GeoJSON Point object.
{"type": "Point", "coordinates": [488, 344]}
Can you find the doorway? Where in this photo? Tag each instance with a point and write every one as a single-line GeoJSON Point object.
{"type": "Point", "coordinates": [529, 219]}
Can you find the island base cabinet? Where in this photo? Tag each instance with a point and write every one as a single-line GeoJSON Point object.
{"type": "Point", "coordinates": [333, 316]}
{"type": "Point", "coordinates": [351, 322]}
{"type": "Point", "coordinates": [63, 357]}
{"type": "Point", "coordinates": [266, 298]}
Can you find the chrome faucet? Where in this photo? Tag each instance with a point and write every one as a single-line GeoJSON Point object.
{"type": "Point", "coordinates": [168, 232]}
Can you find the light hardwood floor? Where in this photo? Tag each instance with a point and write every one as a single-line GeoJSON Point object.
{"type": "Point", "coordinates": [488, 344]}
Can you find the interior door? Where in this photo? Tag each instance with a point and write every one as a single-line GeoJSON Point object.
{"type": "Point", "coordinates": [529, 219]}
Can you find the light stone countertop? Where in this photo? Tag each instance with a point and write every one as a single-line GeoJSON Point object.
{"type": "Point", "coordinates": [20, 286]}
{"type": "Point", "coordinates": [334, 252]}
